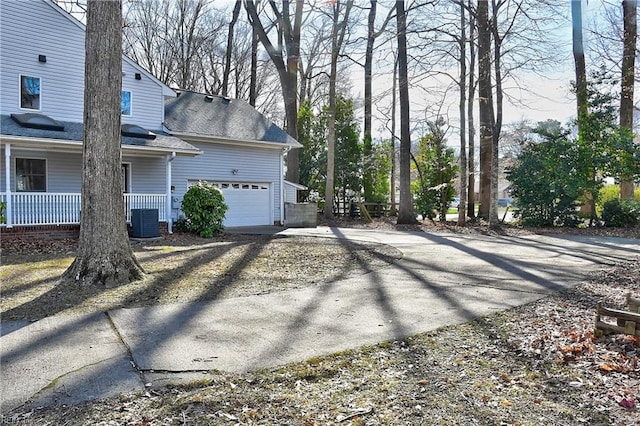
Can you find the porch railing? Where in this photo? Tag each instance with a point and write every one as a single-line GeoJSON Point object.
{"type": "Point", "coordinates": [48, 208]}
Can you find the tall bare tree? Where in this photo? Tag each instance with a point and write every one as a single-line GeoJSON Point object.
{"type": "Point", "coordinates": [471, 187]}
{"type": "Point", "coordinates": [630, 12]}
{"type": "Point", "coordinates": [462, 87]}
{"type": "Point", "coordinates": [340, 19]}
{"type": "Point", "coordinates": [579, 59]}
{"type": "Point", "coordinates": [285, 55]}
{"type": "Point", "coordinates": [227, 64]}
{"type": "Point", "coordinates": [372, 35]}
{"type": "Point", "coordinates": [487, 119]}
{"type": "Point", "coordinates": [104, 256]}
{"type": "Point", "coordinates": [405, 211]}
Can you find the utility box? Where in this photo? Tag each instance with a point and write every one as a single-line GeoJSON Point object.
{"type": "Point", "coordinates": [145, 223]}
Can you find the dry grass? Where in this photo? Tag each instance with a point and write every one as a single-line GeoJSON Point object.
{"type": "Point", "coordinates": [538, 364]}
{"type": "Point", "coordinates": [183, 268]}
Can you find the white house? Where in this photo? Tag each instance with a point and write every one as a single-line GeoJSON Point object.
{"type": "Point", "coordinates": [41, 132]}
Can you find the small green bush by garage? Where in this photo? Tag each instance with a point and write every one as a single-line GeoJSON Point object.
{"type": "Point", "coordinates": [204, 209]}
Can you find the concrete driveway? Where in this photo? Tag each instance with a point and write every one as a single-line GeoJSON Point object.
{"type": "Point", "coordinates": [442, 279]}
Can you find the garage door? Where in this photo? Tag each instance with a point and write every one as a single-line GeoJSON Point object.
{"type": "Point", "coordinates": [249, 203]}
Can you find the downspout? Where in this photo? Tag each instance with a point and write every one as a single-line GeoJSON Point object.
{"type": "Point", "coordinates": [7, 184]}
{"type": "Point", "coordinates": [282, 184]}
{"type": "Point", "coordinates": [170, 158]}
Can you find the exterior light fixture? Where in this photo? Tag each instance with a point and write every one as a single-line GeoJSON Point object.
{"type": "Point", "coordinates": [42, 58]}
{"type": "Point", "coordinates": [234, 171]}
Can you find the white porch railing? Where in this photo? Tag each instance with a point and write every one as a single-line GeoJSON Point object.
{"type": "Point", "coordinates": [48, 208]}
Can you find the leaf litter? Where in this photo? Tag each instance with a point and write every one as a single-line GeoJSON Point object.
{"type": "Point", "coordinates": [541, 363]}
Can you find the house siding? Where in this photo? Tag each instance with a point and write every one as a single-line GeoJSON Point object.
{"type": "Point", "coordinates": [32, 27]}
{"type": "Point", "coordinates": [64, 171]}
{"type": "Point", "coordinates": [218, 160]}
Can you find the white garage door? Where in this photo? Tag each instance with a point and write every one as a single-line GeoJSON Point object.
{"type": "Point", "coordinates": [249, 203]}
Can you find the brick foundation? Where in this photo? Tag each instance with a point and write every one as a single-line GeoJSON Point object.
{"type": "Point", "coordinates": [51, 232]}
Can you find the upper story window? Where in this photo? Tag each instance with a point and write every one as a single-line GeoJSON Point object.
{"type": "Point", "coordinates": [31, 174]}
{"type": "Point", "coordinates": [125, 103]}
{"type": "Point", "coordinates": [29, 92]}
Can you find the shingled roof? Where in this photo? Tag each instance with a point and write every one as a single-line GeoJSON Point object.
{"type": "Point", "coordinates": [74, 132]}
{"type": "Point", "coordinates": [218, 117]}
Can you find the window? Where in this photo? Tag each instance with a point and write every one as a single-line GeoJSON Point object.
{"type": "Point", "coordinates": [31, 174]}
{"type": "Point", "coordinates": [29, 92]}
{"type": "Point", "coordinates": [125, 103]}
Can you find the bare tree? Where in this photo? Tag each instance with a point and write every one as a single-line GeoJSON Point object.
{"type": "Point", "coordinates": [340, 19]}
{"type": "Point", "coordinates": [579, 59]}
{"type": "Point", "coordinates": [104, 255]}
{"type": "Point", "coordinates": [405, 212]}
{"type": "Point", "coordinates": [227, 64]}
{"type": "Point", "coordinates": [487, 120]}
{"type": "Point", "coordinates": [285, 55]}
{"type": "Point", "coordinates": [630, 12]}
{"type": "Point", "coordinates": [372, 35]}
{"type": "Point", "coordinates": [462, 87]}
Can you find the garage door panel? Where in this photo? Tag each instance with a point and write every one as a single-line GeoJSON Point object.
{"type": "Point", "coordinates": [247, 207]}
{"type": "Point", "coordinates": [249, 203]}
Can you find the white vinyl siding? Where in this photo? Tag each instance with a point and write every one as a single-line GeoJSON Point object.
{"type": "Point", "coordinates": [59, 40]}
{"type": "Point", "coordinates": [62, 75]}
{"type": "Point", "coordinates": [217, 161]}
{"type": "Point", "coordinates": [64, 171]}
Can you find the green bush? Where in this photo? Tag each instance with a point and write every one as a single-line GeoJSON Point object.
{"type": "Point", "coordinates": [3, 208]}
{"type": "Point", "coordinates": [621, 213]}
{"type": "Point", "coordinates": [204, 208]}
{"type": "Point", "coordinates": [544, 182]}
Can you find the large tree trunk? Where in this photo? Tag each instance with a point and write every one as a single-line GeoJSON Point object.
{"type": "Point", "coordinates": [486, 110]}
{"type": "Point", "coordinates": [627, 83]}
{"type": "Point", "coordinates": [462, 206]}
{"type": "Point", "coordinates": [104, 254]}
{"type": "Point", "coordinates": [405, 213]}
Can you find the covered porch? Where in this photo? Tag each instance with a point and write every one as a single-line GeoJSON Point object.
{"type": "Point", "coordinates": [41, 175]}
{"type": "Point", "coordinates": [50, 208]}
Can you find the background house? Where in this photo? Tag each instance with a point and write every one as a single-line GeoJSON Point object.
{"type": "Point", "coordinates": [242, 153]}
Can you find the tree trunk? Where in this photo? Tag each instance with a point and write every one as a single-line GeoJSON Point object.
{"type": "Point", "coordinates": [337, 37]}
{"type": "Point", "coordinates": [367, 182]}
{"type": "Point", "coordinates": [627, 82]}
{"type": "Point", "coordinates": [227, 64]}
{"type": "Point", "coordinates": [287, 72]}
{"type": "Point", "coordinates": [392, 185]}
{"type": "Point", "coordinates": [104, 255]}
{"type": "Point", "coordinates": [471, 187]}
{"type": "Point", "coordinates": [486, 108]}
{"type": "Point", "coordinates": [253, 84]}
{"type": "Point", "coordinates": [579, 61]}
{"type": "Point", "coordinates": [462, 206]}
{"type": "Point", "coordinates": [405, 213]}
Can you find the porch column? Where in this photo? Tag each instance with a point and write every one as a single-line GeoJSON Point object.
{"type": "Point", "coordinates": [7, 184]}
{"type": "Point", "coordinates": [169, 195]}
{"type": "Point", "coordinates": [282, 217]}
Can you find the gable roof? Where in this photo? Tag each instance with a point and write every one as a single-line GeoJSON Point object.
{"type": "Point", "coordinates": [166, 90]}
{"type": "Point", "coordinates": [215, 118]}
{"type": "Point", "coordinates": [73, 134]}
